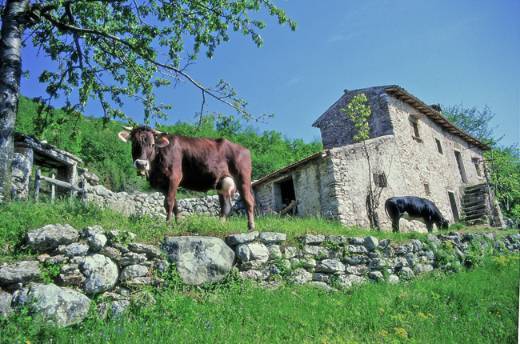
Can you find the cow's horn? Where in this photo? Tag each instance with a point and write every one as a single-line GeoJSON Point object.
{"type": "Point", "coordinates": [128, 128]}
{"type": "Point", "coordinates": [156, 132]}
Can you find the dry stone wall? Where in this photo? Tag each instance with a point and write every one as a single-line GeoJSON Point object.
{"type": "Point", "coordinates": [73, 267]}
{"type": "Point", "coordinates": [152, 204]}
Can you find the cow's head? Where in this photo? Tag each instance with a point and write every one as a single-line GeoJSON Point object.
{"type": "Point", "coordinates": [443, 223]}
{"type": "Point", "coordinates": [145, 144]}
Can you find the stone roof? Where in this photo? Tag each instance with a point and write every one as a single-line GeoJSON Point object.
{"type": "Point", "coordinates": [436, 116]}
{"type": "Point", "coordinates": [46, 154]}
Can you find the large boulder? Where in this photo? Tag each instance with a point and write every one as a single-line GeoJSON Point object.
{"type": "Point", "coordinates": [199, 259]}
{"type": "Point", "coordinates": [64, 306]}
{"type": "Point", "coordinates": [51, 236]}
{"type": "Point", "coordinates": [19, 272]}
{"type": "Point", "coordinates": [101, 273]}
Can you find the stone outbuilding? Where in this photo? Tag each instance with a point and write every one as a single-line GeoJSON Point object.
{"type": "Point", "coordinates": [413, 149]}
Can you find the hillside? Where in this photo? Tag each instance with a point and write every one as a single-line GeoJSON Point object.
{"type": "Point", "coordinates": [96, 143]}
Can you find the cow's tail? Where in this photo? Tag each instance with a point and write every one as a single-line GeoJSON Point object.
{"type": "Point", "coordinates": [387, 204]}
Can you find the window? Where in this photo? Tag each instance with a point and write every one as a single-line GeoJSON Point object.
{"type": "Point", "coordinates": [414, 122]}
{"type": "Point", "coordinates": [439, 147]}
{"type": "Point", "coordinates": [380, 180]}
{"type": "Point", "coordinates": [427, 189]}
{"type": "Point", "coordinates": [453, 204]}
{"type": "Point", "coordinates": [476, 163]}
{"type": "Point", "coordinates": [460, 164]}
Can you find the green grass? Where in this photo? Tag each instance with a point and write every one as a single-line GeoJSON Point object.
{"type": "Point", "coordinates": [477, 306]}
{"type": "Point", "coordinates": [17, 218]}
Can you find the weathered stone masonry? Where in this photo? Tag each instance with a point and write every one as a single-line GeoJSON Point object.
{"type": "Point", "coordinates": [74, 266]}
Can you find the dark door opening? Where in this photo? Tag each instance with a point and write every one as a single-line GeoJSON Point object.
{"type": "Point", "coordinates": [286, 196]}
{"type": "Point", "coordinates": [453, 204]}
{"type": "Point", "coordinates": [458, 156]}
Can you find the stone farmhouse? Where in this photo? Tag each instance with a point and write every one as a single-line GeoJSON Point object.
{"type": "Point", "coordinates": [414, 150]}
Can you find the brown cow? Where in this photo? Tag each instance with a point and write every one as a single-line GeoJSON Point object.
{"type": "Point", "coordinates": [199, 164]}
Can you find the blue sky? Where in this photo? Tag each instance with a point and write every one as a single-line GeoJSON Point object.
{"type": "Point", "coordinates": [448, 52]}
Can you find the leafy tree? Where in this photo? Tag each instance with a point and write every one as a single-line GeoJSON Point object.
{"type": "Point", "coordinates": [474, 121]}
{"type": "Point", "coordinates": [110, 50]}
{"type": "Point", "coordinates": [359, 112]}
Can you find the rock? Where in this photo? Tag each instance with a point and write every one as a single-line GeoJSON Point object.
{"type": "Point", "coordinates": [252, 251]}
{"type": "Point", "coordinates": [417, 245]}
{"type": "Point", "coordinates": [119, 307]}
{"type": "Point", "coordinates": [253, 274]}
{"type": "Point", "coordinates": [330, 266]}
{"type": "Point", "coordinates": [71, 276]}
{"type": "Point", "coordinates": [19, 272]}
{"type": "Point", "coordinates": [336, 239]}
{"type": "Point", "coordinates": [56, 260]}
{"type": "Point", "coordinates": [199, 259]}
{"type": "Point", "coordinates": [384, 243]}
{"type": "Point", "coordinates": [321, 285]}
{"type": "Point", "coordinates": [112, 253]}
{"type": "Point", "coordinates": [356, 269]}
{"type": "Point", "coordinates": [320, 277]}
{"type": "Point", "coordinates": [274, 252]}
{"type": "Point", "coordinates": [301, 276]}
{"type": "Point", "coordinates": [393, 279]}
{"type": "Point", "coordinates": [308, 262]}
{"type": "Point", "coordinates": [356, 260]}
{"type": "Point", "coordinates": [50, 237]}
{"type": "Point", "coordinates": [120, 247]}
{"type": "Point", "coordinates": [348, 281]}
{"type": "Point", "coordinates": [406, 273]}
{"type": "Point", "coordinates": [290, 252]}
{"type": "Point", "coordinates": [356, 241]}
{"type": "Point", "coordinates": [376, 276]}
{"type": "Point", "coordinates": [370, 243]}
{"type": "Point", "coordinates": [161, 265]}
{"type": "Point", "coordinates": [95, 237]}
{"type": "Point", "coordinates": [312, 239]}
{"type": "Point", "coordinates": [316, 251]}
{"type": "Point", "coordinates": [272, 237]}
{"type": "Point", "coordinates": [132, 258]}
{"type": "Point", "coordinates": [101, 273]}
{"type": "Point", "coordinates": [356, 249]}
{"type": "Point", "coordinates": [73, 250]}
{"type": "Point", "coordinates": [377, 264]}
{"type": "Point", "coordinates": [63, 306]}
{"type": "Point", "coordinates": [422, 268]}
{"type": "Point", "coordinates": [242, 238]}
{"type": "Point", "coordinates": [133, 271]}
{"type": "Point", "coordinates": [5, 303]}
{"type": "Point", "coordinates": [138, 282]}
{"type": "Point", "coordinates": [149, 250]}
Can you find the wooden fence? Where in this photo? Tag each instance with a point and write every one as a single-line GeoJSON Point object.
{"type": "Point", "coordinates": [72, 189]}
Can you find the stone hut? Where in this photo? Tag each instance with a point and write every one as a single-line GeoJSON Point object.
{"type": "Point", "coordinates": [30, 151]}
{"type": "Point", "coordinates": [413, 149]}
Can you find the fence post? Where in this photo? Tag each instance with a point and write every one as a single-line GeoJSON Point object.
{"type": "Point", "coordinates": [53, 189]}
{"type": "Point", "coordinates": [37, 182]}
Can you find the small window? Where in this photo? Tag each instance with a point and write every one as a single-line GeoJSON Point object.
{"type": "Point", "coordinates": [380, 180]}
{"type": "Point", "coordinates": [427, 189]}
{"type": "Point", "coordinates": [415, 126]}
{"type": "Point", "coordinates": [439, 147]}
{"type": "Point", "coordinates": [476, 163]}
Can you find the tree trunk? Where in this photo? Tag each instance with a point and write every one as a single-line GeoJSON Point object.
{"type": "Point", "coordinates": [10, 71]}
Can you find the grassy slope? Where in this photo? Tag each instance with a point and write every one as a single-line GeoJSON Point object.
{"type": "Point", "coordinates": [17, 218]}
{"type": "Point", "coordinates": [478, 306]}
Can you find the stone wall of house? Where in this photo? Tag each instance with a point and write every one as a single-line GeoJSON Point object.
{"type": "Point", "coordinates": [152, 204]}
{"type": "Point", "coordinates": [337, 130]}
{"type": "Point", "coordinates": [72, 266]}
{"type": "Point", "coordinates": [421, 163]}
{"type": "Point", "coordinates": [313, 187]}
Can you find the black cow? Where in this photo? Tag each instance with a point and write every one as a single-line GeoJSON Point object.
{"type": "Point", "coordinates": [414, 207]}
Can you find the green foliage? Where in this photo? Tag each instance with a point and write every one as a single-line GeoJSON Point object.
{"type": "Point", "coordinates": [474, 121]}
{"type": "Point", "coordinates": [49, 272]}
{"type": "Point", "coordinates": [505, 178]}
{"type": "Point", "coordinates": [96, 143]}
{"type": "Point", "coordinates": [458, 308]}
{"type": "Point", "coordinates": [359, 112]}
{"type": "Point", "coordinates": [114, 50]}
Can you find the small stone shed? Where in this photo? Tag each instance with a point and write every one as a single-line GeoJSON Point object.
{"type": "Point", "coordinates": [413, 149]}
{"type": "Point", "coordinates": [30, 151]}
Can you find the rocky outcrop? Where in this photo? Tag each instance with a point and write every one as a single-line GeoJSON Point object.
{"type": "Point", "coordinates": [199, 259]}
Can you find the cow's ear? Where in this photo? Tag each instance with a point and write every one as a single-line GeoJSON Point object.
{"type": "Point", "coordinates": [162, 141]}
{"type": "Point", "coordinates": [124, 135]}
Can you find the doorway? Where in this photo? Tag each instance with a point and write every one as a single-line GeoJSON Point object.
{"type": "Point", "coordinates": [462, 171]}
{"type": "Point", "coordinates": [284, 193]}
{"type": "Point", "coordinates": [453, 204]}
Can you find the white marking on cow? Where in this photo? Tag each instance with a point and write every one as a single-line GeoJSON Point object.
{"type": "Point", "coordinates": [227, 187]}
{"type": "Point", "coordinates": [142, 164]}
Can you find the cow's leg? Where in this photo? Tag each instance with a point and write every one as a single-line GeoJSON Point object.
{"type": "Point", "coordinates": [429, 224]}
{"type": "Point", "coordinates": [170, 201]}
{"type": "Point", "coordinates": [225, 206]}
{"type": "Point", "coordinates": [244, 188]}
{"type": "Point", "coordinates": [395, 224]}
